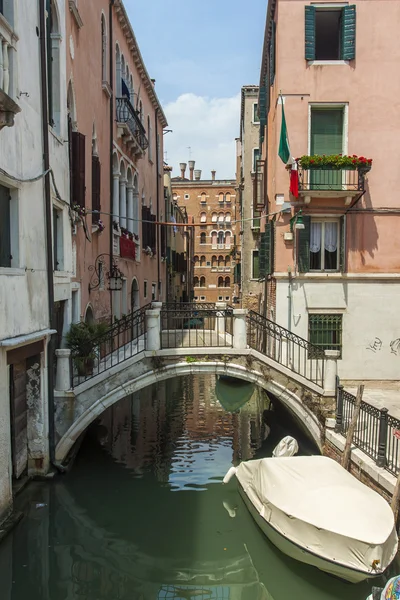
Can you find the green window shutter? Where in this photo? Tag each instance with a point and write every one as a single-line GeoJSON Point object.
{"type": "Point", "coordinates": [303, 258]}
{"type": "Point", "coordinates": [266, 250]}
{"type": "Point", "coordinates": [342, 249]}
{"type": "Point", "coordinates": [348, 33]}
{"type": "Point", "coordinates": [310, 32]}
{"type": "Point", "coordinates": [262, 106]}
{"type": "Point", "coordinates": [326, 131]}
{"type": "Point", "coordinates": [255, 267]}
{"type": "Point", "coordinates": [5, 238]}
{"type": "Point", "coordinates": [237, 272]}
{"type": "Point", "coordinates": [272, 55]}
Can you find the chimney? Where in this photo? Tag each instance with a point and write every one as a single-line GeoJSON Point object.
{"type": "Point", "coordinates": [197, 174]}
{"type": "Point", "coordinates": [153, 81]}
{"type": "Point", "coordinates": [182, 167]}
{"type": "Point", "coordinates": [213, 175]}
{"type": "Point", "coordinates": [191, 167]}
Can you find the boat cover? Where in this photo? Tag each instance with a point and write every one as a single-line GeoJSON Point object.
{"type": "Point", "coordinates": [321, 507]}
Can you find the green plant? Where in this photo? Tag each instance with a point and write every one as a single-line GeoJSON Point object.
{"type": "Point", "coordinates": [83, 340]}
{"type": "Point", "coordinates": [191, 359]}
{"type": "Point", "coordinates": [335, 161]}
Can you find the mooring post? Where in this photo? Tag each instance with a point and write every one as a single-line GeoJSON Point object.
{"type": "Point", "coordinates": [339, 409]}
{"type": "Point", "coordinates": [331, 358]}
{"type": "Point", "coordinates": [350, 432]}
{"type": "Point", "coordinates": [383, 430]}
{"type": "Point", "coordinates": [220, 318]}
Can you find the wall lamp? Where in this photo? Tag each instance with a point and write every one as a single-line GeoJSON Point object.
{"type": "Point", "coordinates": [114, 274]}
{"type": "Point", "coordinates": [296, 222]}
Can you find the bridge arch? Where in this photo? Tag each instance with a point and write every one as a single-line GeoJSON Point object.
{"type": "Point", "coordinates": [289, 399]}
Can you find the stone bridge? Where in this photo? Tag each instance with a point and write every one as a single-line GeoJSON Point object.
{"type": "Point", "coordinates": [162, 341]}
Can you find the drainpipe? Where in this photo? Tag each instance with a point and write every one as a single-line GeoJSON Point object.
{"type": "Point", "coordinates": [49, 237]}
{"type": "Point", "coordinates": [111, 61]}
{"type": "Point", "coordinates": [158, 238]}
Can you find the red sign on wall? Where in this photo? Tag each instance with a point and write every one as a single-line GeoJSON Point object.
{"type": "Point", "coordinates": [127, 248]}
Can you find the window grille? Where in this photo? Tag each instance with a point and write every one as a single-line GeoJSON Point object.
{"type": "Point", "coordinates": [325, 331]}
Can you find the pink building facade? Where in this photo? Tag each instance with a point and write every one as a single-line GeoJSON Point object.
{"type": "Point", "coordinates": [333, 254]}
{"type": "Point", "coordinates": [115, 133]}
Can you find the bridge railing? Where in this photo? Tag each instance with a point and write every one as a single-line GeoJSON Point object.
{"type": "Point", "coordinates": [124, 339]}
{"type": "Point", "coordinates": [194, 325]}
{"type": "Point", "coordinates": [286, 348]}
{"type": "Point", "coordinates": [377, 433]}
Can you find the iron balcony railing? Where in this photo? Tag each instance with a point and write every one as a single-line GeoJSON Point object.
{"type": "Point", "coordinates": [286, 348]}
{"type": "Point", "coordinates": [124, 339]}
{"type": "Point", "coordinates": [127, 114]}
{"type": "Point", "coordinates": [330, 179]}
{"type": "Point", "coordinates": [377, 433]}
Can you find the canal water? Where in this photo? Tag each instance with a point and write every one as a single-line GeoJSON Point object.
{"type": "Point", "coordinates": [143, 514]}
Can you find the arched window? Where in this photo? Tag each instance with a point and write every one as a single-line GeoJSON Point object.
{"type": "Point", "coordinates": [118, 76]}
{"type": "Point", "coordinates": [53, 65]}
{"type": "Point", "coordinates": [141, 111]}
{"type": "Point", "coordinates": [227, 217]}
{"type": "Point", "coordinates": [103, 49]}
{"type": "Point", "coordinates": [220, 282]}
{"type": "Point", "coordinates": [228, 236]}
{"type": "Point", "coordinates": [203, 217]}
{"type": "Point", "coordinates": [196, 281]}
{"type": "Point", "coordinates": [202, 282]}
{"type": "Point", "coordinates": [220, 237]}
{"type": "Point", "coordinates": [227, 197]}
{"type": "Point", "coordinates": [221, 217]}
{"type": "Point", "coordinates": [202, 261]}
{"type": "Point", "coordinates": [221, 197]}
{"type": "Point", "coordinates": [221, 261]}
{"type": "Point", "coordinates": [96, 178]}
{"type": "Point", "coordinates": [196, 260]}
{"type": "Point", "coordinates": [227, 260]}
{"type": "Point", "coordinates": [227, 282]}
{"type": "Point", "coordinates": [124, 88]}
{"type": "Point", "coordinates": [214, 217]}
{"type": "Point", "coordinates": [203, 198]}
{"type": "Point", "coordinates": [136, 221]}
{"type": "Point", "coordinates": [214, 238]}
{"type": "Point", "coordinates": [203, 237]}
{"type": "Point", "coordinates": [214, 261]}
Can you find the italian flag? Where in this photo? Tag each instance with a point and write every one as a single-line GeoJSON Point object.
{"type": "Point", "coordinates": [286, 156]}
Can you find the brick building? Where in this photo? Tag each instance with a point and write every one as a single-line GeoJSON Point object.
{"type": "Point", "coordinates": [211, 205]}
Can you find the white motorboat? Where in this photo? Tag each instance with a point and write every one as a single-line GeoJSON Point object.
{"type": "Point", "coordinates": [318, 513]}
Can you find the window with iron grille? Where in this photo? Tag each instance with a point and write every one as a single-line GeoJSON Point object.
{"type": "Point", "coordinates": [325, 331]}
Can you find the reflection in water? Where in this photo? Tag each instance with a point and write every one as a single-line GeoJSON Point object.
{"type": "Point", "coordinates": [143, 514]}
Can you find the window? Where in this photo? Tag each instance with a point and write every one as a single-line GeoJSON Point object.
{"type": "Point", "coordinates": [203, 217]}
{"type": "Point", "coordinates": [227, 298]}
{"type": "Point", "coordinates": [255, 113]}
{"type": "Point", "coordinates": [203, 261]}
{"type": "Point", "coordinates": [255, 267]}
{"type": "Point", "coordinates": [321, 245]}
{"type": "Point", "coordinates": [202, 282]}
{"type": "Point", "coordinates": [53, 65]}
{"type": "Point", "coordinates": [220, 282]}
{"type": "Point", "coordinates": [195, 281]}
{"type": "Point", "coordinates": [7, 10]}
{"type": "Point", "coordinates": [203, 198]}
{"type": "Point", "coordinates": [214, 261]}
{"type": "Point", "coordinates": [227, 261]}
{"type": "Point", "coordinates": [256, 156]}
{"type": "Point", "coordinates": [227, 197]}
{"type": "Point", "coordinates": [214, 217]}
{"type": "Point", "coordinates": [221, 237]}
{"type": "Point", "coordinates": [103, 49]}
{"type": "Point", "coordinates": [326, 137]}
{"type": "Point", "coordinates": [96, 187]}
{"type": "Point", "coordinates": [325, 331]}
{"type": "Point", "coordinates": [214, 238]}
{"type": "Point", "coordinates": [195, 260]}
{"type": "Point", "coordinates": [220, 298]}
{"type": "Point", "coordinates": [255, 223]}
{"type": "Point", "coordinates": [227, 282]}
{"type": "Point", "coordinates": [145, 289]}
{"type": "Point", "coordinates": [58, 246]}
{"type": "Point", "coordinates": [228, 218]}
{"type": "Point", "coordinates": [5, 227]}
{"type": "Point", "coordinates": [330, 33]}
{"type": "Point", "coordinates": [202, 297]}
{"type": "Point", "coordinates": [196, 297]}
{"type": "Point", "coordinates": [78, 168]}
{"type": "Point", "coordinates": [203, 238]}
{"type": "Point", "coordinates": [221, 261]}
{"type": "Point", "coordinates": [153, 291]}
{"type": "Point", "coordinates": [186, 197]}
{"type": "Point", "coordinates": [221, 197]}
{"type": "Point", "coordinates": [149, 137]}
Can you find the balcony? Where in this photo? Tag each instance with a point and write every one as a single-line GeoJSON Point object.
{"type": "Point", "coordinates": [130, 127]}
{"type": "Point", "coordinates": [331, 180]}
{"type": "Point", "coordinates": [8, 107]}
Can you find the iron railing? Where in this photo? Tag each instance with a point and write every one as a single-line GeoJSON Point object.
{"type": "Point", "coordinates": [286, 348]}
{"type": "Point", "coordinates": [330, 179]}
{"type": "Point", "coordinates": [195, 325]}
{"type": "Point", "coordinates": [377, 433]}
{"type": "Point", "coordinates": [124, 339]}
{"type": "Point", "coordinates": [127, 114]}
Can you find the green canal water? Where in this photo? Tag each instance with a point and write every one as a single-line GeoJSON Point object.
{"type": "Point", "coordinates": [143, 514]}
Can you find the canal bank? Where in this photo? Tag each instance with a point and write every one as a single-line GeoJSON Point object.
{"type": "Point", "coordinates": [143, 514]}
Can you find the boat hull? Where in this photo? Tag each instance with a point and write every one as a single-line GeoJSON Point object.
{"type": "Point", "coordinates": [294, 551]}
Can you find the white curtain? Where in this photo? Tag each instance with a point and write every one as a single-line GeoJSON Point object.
{"type": "Point", "coordinates": [315, 237]}
{"type": "Point", "coordinates": [330, 237]}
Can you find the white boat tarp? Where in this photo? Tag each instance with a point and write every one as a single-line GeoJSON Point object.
{"type": "Point", "coordinates": [318, 505]}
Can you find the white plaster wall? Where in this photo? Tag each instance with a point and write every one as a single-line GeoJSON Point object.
{"type": "Point", "coordinates": [370, 320]}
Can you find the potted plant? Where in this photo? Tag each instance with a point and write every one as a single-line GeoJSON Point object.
{"type": "Point", "coordinates": [83, 340]}
{"type": "Point", "coordinates": [334, 161]}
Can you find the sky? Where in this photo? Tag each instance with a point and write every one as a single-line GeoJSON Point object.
{"type": "Point", "coordinates": [200, 54]}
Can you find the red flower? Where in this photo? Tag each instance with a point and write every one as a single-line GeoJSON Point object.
{"type": "Point", "coordinates": [354, 161]}
{"type": "Point", "coordinates": [312, 161]}
{"type": "Point", "coordinates": [369, 160]}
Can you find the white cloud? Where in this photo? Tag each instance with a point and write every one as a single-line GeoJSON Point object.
{"type": "Point", "coordinates": [209, 126]}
